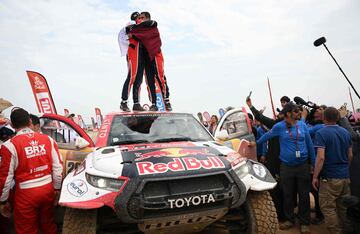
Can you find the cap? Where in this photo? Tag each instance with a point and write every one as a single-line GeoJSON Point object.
{"type": "Point", "coordinates": [290, 106]}
{"type": "Point", "coordinates": [134, 15]}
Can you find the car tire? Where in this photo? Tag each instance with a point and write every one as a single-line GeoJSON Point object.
{"type": "Point", "coordinates": [261, 213]}
{"type": "Point", "coordinates": [77, 221]}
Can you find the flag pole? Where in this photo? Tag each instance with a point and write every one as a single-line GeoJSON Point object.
{"type": "Point", "coordinates": [352, 102]}
{"type": "Point", "coordinates": [271, 99]}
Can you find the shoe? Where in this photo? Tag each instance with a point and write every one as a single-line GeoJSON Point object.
{"type": "Point", "coordinates": [138, 107]}
{"type": "Point", "coordinates": [168, 106]}
{"type": "Point", "coordinates": [286, 225]}
{"type": "Point", "coordinates": [124, 107]}
{"type": "Point", "coordinates": [304, 229]}
{"type": "Point", "coordinates": [317, 220]}
{"type": "Point", "coordinates": [153, 107]}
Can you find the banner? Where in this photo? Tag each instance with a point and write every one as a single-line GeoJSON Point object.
{"type": "Point", "coordinates": [42, 94]}
{"type": "Point", "coordinates": [99, 117]}
{"type": "Point", "coordinates": [93, 123]}
{"type": "Point", "coordinates": [81, 122]}
{"type": "Point", "coordinates": [159, 98]}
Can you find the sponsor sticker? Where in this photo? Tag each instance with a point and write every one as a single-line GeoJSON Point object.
{"type": "Point", "coordinates": [77, 188]}
{"type": "Point", "coordinates": [179, 164]}
{"type": "Point", "coordinates": [171, 152]}
{"type": "Point", "coordinates": [191, 201]}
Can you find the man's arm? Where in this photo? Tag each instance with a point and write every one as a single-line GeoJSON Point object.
{"type": "Point", "coordinates": [344, 122]}
{"type": "Point", "coordinates": [270, 134]}
{"type": "Point", "coordinates": [268, 122]}
{"type": "Point", "coordinates": [145, 24]}
{"type": "Point", "coordinates": [320, 158]}
{"type": "Point", "coordinates": [7, 169]}
{"type": "Point", "coordinates": [57, 166]}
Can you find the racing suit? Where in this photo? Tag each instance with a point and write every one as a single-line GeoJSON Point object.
{"type": "Point", "coordinates": [135, 63]}
{"type": "Point", "coordinates": [148, 34]}
{"type": "Point", "coordinates": [33, 160]}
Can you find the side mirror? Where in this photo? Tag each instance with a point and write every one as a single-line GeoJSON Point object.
{"type": "Point", "coordinates": [81, 143]}
{"type": "Point", "coordinates": [222, 135]}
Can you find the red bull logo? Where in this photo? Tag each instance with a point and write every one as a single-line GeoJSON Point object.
{"type": "Point", "coordinates": [171, 152]}
{"type": "Point", "coordinates": [179, 164]}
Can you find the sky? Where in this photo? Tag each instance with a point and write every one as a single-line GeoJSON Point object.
{"type": "Point", "coordinates": [215, 52]}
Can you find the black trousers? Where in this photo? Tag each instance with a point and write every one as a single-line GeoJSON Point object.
{"type": "Point", "coordinates": [298, 176]}
{"type": "Point", "coordinates": [136, 64]}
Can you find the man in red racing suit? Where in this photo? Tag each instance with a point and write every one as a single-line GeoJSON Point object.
{"type": "Point", "coordinates": [147, 33]}
{"type": "Point", "coordinates": [33, 160]}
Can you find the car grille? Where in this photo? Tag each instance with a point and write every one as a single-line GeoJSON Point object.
{"type": "Point", "coordinates": [152, 201]}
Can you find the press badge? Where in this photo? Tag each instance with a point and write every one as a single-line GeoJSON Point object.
{"type": "Point", "coordinates": [297, 154]}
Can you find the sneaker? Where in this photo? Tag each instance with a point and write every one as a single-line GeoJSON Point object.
{"type": "Point", "coordinates": [168, 106]}
{"type": "Point", "coordinates": [138, 107]}
{"type": "Point", "coordinates": [286, 225]}
{"type": "Point", "coordinates": [124, 107]}
{"type": "Point", "coordinates": [153, 107]}
{"type": "Point", "coordinates": [304, 229]}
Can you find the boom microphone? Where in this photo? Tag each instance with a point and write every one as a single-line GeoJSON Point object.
{"type": "Point", "coordinates": [319, 41]}
{"type": "Point", "coordinates": [299, 100]}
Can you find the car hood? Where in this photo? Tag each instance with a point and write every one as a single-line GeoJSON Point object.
{"type": "Point", "coordinates": [157, 160]}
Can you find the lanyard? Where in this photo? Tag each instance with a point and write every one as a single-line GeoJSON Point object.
{"type": "Point", "coordinates": [297, 136]}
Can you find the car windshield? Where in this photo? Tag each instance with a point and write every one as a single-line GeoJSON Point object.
{"type": "Point", "coordinates": [150, 128]}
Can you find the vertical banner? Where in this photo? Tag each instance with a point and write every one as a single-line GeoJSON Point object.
{"type": "Point", "coordinates": [99, 117]}
{"type": "Point", "coordinates": [93, 123]}
{"type": "Point", "coordinates": [81, 122]}
{"type": "Point", "coordinates": [207, 116]}
{"type": "Point", "coordinates": [221, 112]}
{"type": "Point", "coordinates": [42, 94]}
{"type": "Point", "coordinates": [159, 98]}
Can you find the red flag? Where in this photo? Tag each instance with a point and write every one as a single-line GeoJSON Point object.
{"type": "Point", "coordinates": [42, 94]}
{"type": "Point", "coordinates": [271, 99]}
{"type": "Point", "coordinates": [99, 117]}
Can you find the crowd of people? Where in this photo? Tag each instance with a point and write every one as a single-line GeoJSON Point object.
{"type": "Point", "coordinates": [141, 43]}
{"type": "Point", "coordinates": [313, 151]}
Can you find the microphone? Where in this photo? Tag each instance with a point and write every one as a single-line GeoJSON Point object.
{"type": "Point", "coordinates": [319, 41]}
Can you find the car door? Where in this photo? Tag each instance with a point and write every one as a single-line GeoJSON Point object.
{"type": "Point", "coordinates": [65, 132]}
{"type": "Point", "coordinates": [236, 126]}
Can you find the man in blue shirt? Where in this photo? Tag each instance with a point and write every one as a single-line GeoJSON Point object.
{"type": "Point", "coordinates": [334, 155]}
{"type": "Point", "coordinates": [295, 149]}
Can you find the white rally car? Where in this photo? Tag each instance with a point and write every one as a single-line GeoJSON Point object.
{"type": "Point", "coordinates": [164, 173]}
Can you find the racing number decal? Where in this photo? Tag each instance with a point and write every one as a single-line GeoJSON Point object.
{"type": "Point", "coordinates": [71, 165]}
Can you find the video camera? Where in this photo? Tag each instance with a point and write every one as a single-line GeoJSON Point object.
{"type": "Point", "coordinates": [310, 119]}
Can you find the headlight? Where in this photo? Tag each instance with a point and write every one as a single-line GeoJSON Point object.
{"type": "Point", "coordinates": [259, 170]}
{"type": "Point", "coordinates": [105, 183]}
{"type": "Point", "coordinates": [243, 170]}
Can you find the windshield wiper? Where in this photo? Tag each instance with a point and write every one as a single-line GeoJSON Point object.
{"type": "Point", "coordinates": [170, 139]}
{"type": "Point", "coordinates": [129, 142]}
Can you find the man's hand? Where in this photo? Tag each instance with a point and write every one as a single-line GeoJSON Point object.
{"type": "Point", "coordinates": [252, 144]}
{"type": "Point", "coordinates": [248, 102]}
{"type": "Point", "coordinates": [304, 113]}
{"type": "Point", "coordinates": [315, 183]}
{"type": "Point", "coordinates": [57, 197]}
{"type": "Point", "coordinates": [343, 112]}
{"type": "Point", "coordinates": [5, 209]}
